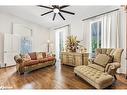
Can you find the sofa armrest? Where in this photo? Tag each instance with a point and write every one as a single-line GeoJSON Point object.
{"type": "Point", "coordinates": [112, 67]}
{"type": "Point", "coordinates": [18, 59]}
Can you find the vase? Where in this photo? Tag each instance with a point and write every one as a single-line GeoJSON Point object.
{"type": "Point", "coordinates": [73, 50]}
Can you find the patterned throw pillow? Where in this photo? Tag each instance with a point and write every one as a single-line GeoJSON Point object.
{"type": "Point", "coordinates": [25, 57]}
{"type": "Point", "coordinates": [33, 55]}
{"type": "Point", "coordinates": [39, 55]}
{"type": "Point", "coordinates": [101, 60]}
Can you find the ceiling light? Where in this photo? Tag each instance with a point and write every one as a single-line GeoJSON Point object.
{"type": "Point", "coordinates": [56, 10]}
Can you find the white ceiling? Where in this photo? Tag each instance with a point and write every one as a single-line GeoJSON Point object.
{"type": "Point", "coordinates": [32, 13]}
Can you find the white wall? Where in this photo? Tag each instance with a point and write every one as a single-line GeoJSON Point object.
{"type": "Point", "coordinates": [40, 33]}
{"type": "Point", "coordinates": [76, 28]}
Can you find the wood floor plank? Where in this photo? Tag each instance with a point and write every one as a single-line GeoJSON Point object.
{"type": "Point", "coordinates": [52, 77]}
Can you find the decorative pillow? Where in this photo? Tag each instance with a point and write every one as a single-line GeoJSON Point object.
{"type": "Point", "coordinates": [33, 56]}
{"type": "Point", "coordinates": [25, 57]}
{"type": "Point", "coordinates": [39, 55]}
{"type": "Point", "coordinates": [44, 54]}
{"type": "Point", "coordinates": [101, 60]}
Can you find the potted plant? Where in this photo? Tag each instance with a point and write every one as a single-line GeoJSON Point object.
{"type": "Point", "coordinates": [72, 43]}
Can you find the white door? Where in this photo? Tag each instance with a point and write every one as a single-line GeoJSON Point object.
{"type": "Point", "coordinates": [11, 48]}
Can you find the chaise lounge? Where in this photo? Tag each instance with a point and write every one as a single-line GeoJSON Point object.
{"type": "Point", "coordinates": [32, 61]}
{"type": "Point", "coordinates": [100, 72]}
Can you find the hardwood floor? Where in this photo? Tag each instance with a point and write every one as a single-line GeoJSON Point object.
{"type": "Point", "coordinates": [52, 77]}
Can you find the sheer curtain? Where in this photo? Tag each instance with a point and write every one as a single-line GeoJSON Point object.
{"type": "Point", "coordinates": [87, 35]}
{"type": "Point", "coordinates": [109, 33]}
{"type": "Point", "coordinates": [110, 30]}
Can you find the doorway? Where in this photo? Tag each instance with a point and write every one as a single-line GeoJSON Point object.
{"type": "Point", "coordinates": [60, 40]}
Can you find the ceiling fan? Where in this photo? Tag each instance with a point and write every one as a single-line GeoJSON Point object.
{"type": "Point", "coordinates": [57, 10]}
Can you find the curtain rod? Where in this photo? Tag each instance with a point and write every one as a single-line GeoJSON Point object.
{"type": "Point", "coordinates": [100, 14]}
{"type": "Point", "coordinates": [61, 27]}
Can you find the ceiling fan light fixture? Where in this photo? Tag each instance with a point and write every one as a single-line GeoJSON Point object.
{"type": "Point", "coordinates": [56, 10]}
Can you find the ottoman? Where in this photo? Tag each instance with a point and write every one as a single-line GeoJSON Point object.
{"type": "Point", "coordinates": [95, 77]}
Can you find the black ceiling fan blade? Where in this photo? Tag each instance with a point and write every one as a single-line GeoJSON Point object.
{"type": "Point", "coordinates": [46, 13]}
{"type": "Point", "coordinates": [45, 6]}
{"type": "Point", "coordinates": [64, 6]}
{"type": "Point", "coordinates": [68, 12]}
{"type": "Point", "coordinates": [61, 16]}
{"type": "Point", "coordinates": [55, 6]}
{"type": "Point", "coordinates": [54, 16]}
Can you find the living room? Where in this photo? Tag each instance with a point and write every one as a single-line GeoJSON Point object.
{"type": "Point", "coordinates": [53, 47]}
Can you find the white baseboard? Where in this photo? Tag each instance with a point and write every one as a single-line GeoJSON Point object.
{"type": "Point", "coordinates": [2, 65]}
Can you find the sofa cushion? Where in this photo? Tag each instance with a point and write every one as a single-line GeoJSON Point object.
{"type": "Point", "coordinates": [39, 55]}
{"type": "Point", "coordinates": [46, 59]}
{"type": "Point", "coordinates": [33, 56]}
{"type": "Point", "coordinates": [43, 60]}
{"type": "Point", "coordinates": [101, 60]}
{"type": "Point", "coordinates": [50, 58]}
{"type": "Point", "coordinates": [31, 62]}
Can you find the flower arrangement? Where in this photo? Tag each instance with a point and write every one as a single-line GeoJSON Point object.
{"type": "Point", "coordinates": [72, 43]}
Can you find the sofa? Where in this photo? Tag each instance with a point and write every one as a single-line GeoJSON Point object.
{"type": "Point", "coordinates": [32, 61]}
{"type": "Point", "coordinates": [100, 71]}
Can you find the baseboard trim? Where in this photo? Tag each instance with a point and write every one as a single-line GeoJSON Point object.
{"type": "Point", "coordinates": [7, 66]}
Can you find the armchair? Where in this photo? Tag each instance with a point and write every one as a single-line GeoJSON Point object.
{"type": "Point", "coordinates": [111, 67]}
{"type": "Point", "coordinates": [101, 76]}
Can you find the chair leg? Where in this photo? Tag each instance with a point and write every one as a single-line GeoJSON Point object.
{"type": "Point", "coordinates": [75, 74]}
{"type": "Point", "coordinates": [115, 77]}
{"type": "Point", "coordinates": [126, 76]}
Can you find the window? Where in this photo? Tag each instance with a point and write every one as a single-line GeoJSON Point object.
{"type": "Point", "coordinates": [96, 28]}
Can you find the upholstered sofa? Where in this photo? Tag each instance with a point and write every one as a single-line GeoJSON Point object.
{"type": "Point", "coordinates": [32, 61]}
{"type": "Point", "coordinates": [100, 71]}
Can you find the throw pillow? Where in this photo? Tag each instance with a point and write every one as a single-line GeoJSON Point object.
{"type": "Point", "coordinates": [44, 54]}
{"type": "Point", "coordinates": [25, 57]}
{"type": "Point", "coordinates": [101, 59]}
{"type": "Point", "coordinates": [39, 55]}
{"type": "Point", "coordinates": [33, 56]}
